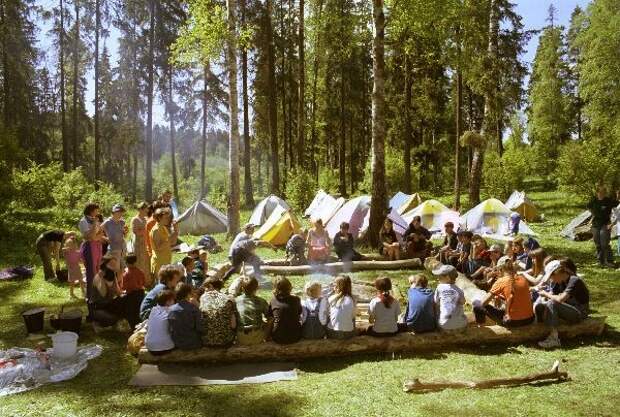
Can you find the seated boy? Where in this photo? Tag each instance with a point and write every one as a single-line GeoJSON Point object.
{"type": "Point", "coordinates": [450, 242]}
{"type": "Point", "coordinates": [420, 313]}
{"type": "Point", "coordinates": [449, 299]}
{"type": "Point", "coordinates": [251, 310]}
{"type": "Point", "coordinates": [296, 248]}
{"type": "Point", "coordinates": [343, 244]}
{"type": "Point", "coordinates": [132, 284]}
{"type": "Point", "coordinates": [188, 267]}
{"type": "Point", "coordinates": [199, 272]}
{"type": "Point", "coordinates": [185, 320]}
{"type": "Point", "coordinates": [459, 257]}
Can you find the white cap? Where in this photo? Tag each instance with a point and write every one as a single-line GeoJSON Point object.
{"type": "Point", "coordinates": [444, 270]}
{"type": "Point", "coordinates": [503, 261]}
{"type": "Point", "coordinates": [550, 268]}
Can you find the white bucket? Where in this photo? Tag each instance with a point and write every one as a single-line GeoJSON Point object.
{"type": "Point", "coordinates": [64, 344]}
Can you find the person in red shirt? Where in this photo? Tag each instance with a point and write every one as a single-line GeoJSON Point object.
{"type": "Point", "coordinates": [132, 283]}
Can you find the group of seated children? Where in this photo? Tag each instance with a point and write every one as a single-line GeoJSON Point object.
{"type": "Point", "coordinates": [415, 241]}
{"type": "Point", "coordinates": [315, 245]}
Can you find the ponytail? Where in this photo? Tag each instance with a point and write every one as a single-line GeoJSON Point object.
{"type": "Point", "coordinates": [383, 286]}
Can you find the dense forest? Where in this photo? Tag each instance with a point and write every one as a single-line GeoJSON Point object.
{"type": "Point", "coordinates": [285, 97]}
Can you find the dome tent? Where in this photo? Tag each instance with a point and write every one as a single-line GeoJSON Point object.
{"type": "Point", "coordinates": [202, 218]}
{"type": "Point", "coordinates": [491, 218]}
{"type": "Point", "coordinates": [353, 212]}
{"type": "Point", "coordinates": [520, 203]}
{"type": "Point", "coordinates": [263, 210]}
{"type": "Point", "coordinates": [316, 202]}
{"type": "Point", "coordinates": [279, 227]}
{"type": "Point", "coordinates": [327, 208]}
{"type": "Point", "coordinates": [433, 215]}
{"type": "Point", "coordinates": [402, 202]}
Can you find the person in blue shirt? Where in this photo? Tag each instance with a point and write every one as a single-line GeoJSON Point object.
{"type": "Point", "coordinates": [420, 313]}
{"type": "Point", "coordinates": [169, 276]}
{"type": "Point", "coordinates": [185, 319]}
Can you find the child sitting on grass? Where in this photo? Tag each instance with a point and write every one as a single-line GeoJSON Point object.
{"type": "Point", "coordinates": [420, 313]}
{"type": "Point", "coordinates": [314, 315]}
{"type": "Point", "coordinates": [450, 299]}
{"type": "Point", "coordinates": [251, 311]}
{"type": "Point", "coordinates": [200, 269]}
{"type": "Point", "coordinates": [185, 319]}
{"type": "Point", "coordinates": [71, 253]}
{"type": "Point", "coordinates": [188, 267]}
{"type": "Point", "coordinates": [383, 310]}
{"type": "Point", "coordinates": [158, 339]}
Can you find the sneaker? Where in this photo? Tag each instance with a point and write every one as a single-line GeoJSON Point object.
{"type": "Point", "coordinates": [550, 342]}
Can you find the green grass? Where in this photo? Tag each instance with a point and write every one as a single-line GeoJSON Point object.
{"type": "Point", "coordinates": [369, 385]}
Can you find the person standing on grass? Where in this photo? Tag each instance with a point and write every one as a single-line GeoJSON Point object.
{"type": "Point", "coordinates": [568, 300]}
{"type": "Point", "coordinates": [48, 247]}
{"type": "Point", "coordinates": [601, 206]}
{"type": "Point", "coordinates": [162, 240]}
{"type": "Point", "coordinates": [71, 253]}
{"type": "Point", "coordinates": [115, 230]}
{"type": "Point", "coordinates": [91, 248]}
{"type": "Point", "coordinates": [138, 228]}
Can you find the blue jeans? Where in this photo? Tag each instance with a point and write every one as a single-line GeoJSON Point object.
{"type": "Point", "coordinates": [553, 312]}
{"type": "Point", "coordinates": [602, 237]}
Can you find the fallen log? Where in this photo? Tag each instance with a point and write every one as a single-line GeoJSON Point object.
{"type": "Point", "coordinates": [332, 268]}
{"type": "Point", "coordinates": [554, 375]}
{"type": "Point", "coordinates": [402, 342]}
{"type": "Point", "coordinates": [469, 288]}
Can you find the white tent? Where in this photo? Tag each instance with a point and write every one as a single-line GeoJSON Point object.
{"type": "Point", "coordinates": [491, 219]}
{"type": "Point", "coordinates": [202, 218]}
{"type": "Point", "coordinates": [263, 210]}
{"type": "Point", "coordinates": [353, 212]}
{"type": "Point", "coordinates": [326, 210]}
{"type": "Point", "coordinates": [433, 215]}
{"type": "Point", "coordinates": [399, 223]}
{"type": "Point", "coordinates": [520, 203]}
{"type": "Point", "coordinates": [398, 200]}
{"type": "Point", "coordinates": [316, 202]}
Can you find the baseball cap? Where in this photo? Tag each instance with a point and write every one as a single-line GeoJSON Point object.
{"type": "Point", "coordinates": [503, 261]}
{"type": "Point", "coordinates": [550, 268]}
{"type": "Point", "coordinates": [444, 270]}
{"type": "Point", "coordinates": [117, 207]}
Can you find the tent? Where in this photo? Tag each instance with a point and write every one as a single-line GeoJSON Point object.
{"type": "Point", "coordinates": [202, 218]}
{"type": "Point", "coordinates": [399, 224]}
{"type": "Point", "coordinates": [490, 218]}
{"type": "Point", "coordinates": [434, 215]}
{"type": "Point", "coordinates": [353, 212]}
{"type": "Point", "coordinates": [316, 202]}
{"type": "Point", "coordinates": [279, 227]}
{"type": "Point", "coordinates": [520, 203]}
{"type": "Point", "coordinates": [263, 210]}
{"type": "Point", "coordinates": [398, 200]}
{"type": "Point", "coordinates": [404, 202]}
{"type": "Point", "coordinates": [579, 228]}
{"type": "Point", "coordinates": [328, 207]}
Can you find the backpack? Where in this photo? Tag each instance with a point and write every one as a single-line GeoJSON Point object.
{"type": "Point", "coordinates": [312, 327]}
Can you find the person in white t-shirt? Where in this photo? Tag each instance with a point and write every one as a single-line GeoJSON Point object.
{"type": "Point", "coordinates": [158, 339]}
{"type": "Point", "coordinates": [383, 310]}
{"type": "Point", "coordinates": [341, 324]}
{"type": "Point", "coordinates": [450, 299]}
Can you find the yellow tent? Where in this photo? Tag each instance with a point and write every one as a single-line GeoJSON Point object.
{"type": "Point", "coordinates": [410, 203]}
{"type": "Point", "coordinates": [279, 227]}
{"type": "Point", "coordinates": [520, 203]}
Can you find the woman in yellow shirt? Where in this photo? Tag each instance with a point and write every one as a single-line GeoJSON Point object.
{"type": "Point", "coordinates": [162, 239]}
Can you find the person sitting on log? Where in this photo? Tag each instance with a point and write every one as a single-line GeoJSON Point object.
{"type": "Point", "coordinates": [318, 243]}
{"type": "Point", "coordinates": [296, 248]}
{"type": "Point", "coordinates": [417, 240]}
{"type": "Point", "coordinates": [420, 312]}
{"type": "Point", "coordinates": [284, 313]}
{"type": "Point", "coordinates": [383, 310]}
{"type": "Point", "coordinates": [479, 257]}
{"type": "Point", "coordinates": [185, 319]}
{"type": "Point", "coordinates": [535, 274]}
{"type": "Point", "coordinates": [390, 246]}
{"type": "Point", "coordinates": [314, 314]}
{"type": "Point", "coordinates": [201, 265]}
{"type": "Point", "coordinates": [450, 242]}
{"type": "Point", "coordinates": [251, 312]}
{"type": "Point", "coordinates": [519, 256]}
{"type": "Point", "coordinates": [485, 276]}
{"type": "Point", "coordinates": [169, 276]}
{"type": "Point", "coordinates": [342, 309]}
{"type": "Point", "coordinates": [514, 290]}
{"type": "Point", "coordinates": [459, 257]}
{"type": "Point", "coordinates": [449, 299]}
{"type": "Point", "coordinates": [158, 339]}
{"type": "Point", "coordinates": [568, 299]}
{"type": "Point", "coordinates": [343, 245]}
{"type": "Point", "coordinates": [188, 267]}
{"type": "Point", "coordinates": [242, 250]}
{"type": "Point", "coordinates": [219, 314]}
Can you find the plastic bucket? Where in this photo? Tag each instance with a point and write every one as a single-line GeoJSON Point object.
{"type": "Point", "coordinates": [64, 344]}
{"type": "Point", "coordinates": [33, 319]}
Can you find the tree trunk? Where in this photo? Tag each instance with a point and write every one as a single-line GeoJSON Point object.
{"type": "Point", "coordinates": [272, 102]}
{"type": "Point", "coordinates": [315, 76]}
{"type": "Point", "coordinates": [342, 149]}
{"type": "Point", "coordinates": [377, 206]}
{"type": "Point", "coordinates": [203, 160]}
{"type": "Point", "coordinates": [457, 148]}
{"type": "Point", "coordinates": [475, 175]}
{"type": "Point", "coordinates": [76, 62]}
{"type": "Point", "coordinates": [175, 183]}
{"type": "Point", "coordinates": [148, 182]}
{"type": "Point", "coordinates": [233, 133]}
{"type": "Point", "coordinates": [407, 137]}
{"type": "Point", "coordinates": [247, 156]}
{"type": "Point", "coordinates": [6, 79]}
{"type": "Point", "coordinates": [63, 108]}
{"type": "Point", "coordinates": [301, 103]}
{"type": "Point", "coordinates": [134, 182]}
{"type": "Point", "coordinates": [97, 135]}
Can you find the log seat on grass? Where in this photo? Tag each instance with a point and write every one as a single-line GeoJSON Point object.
{"type": "Point", "coordinates": [472, 336]}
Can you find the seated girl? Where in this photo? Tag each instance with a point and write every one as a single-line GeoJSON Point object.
{"type": "Point", "coordinates": [284, 313]}
{"type": "Point", "coordinates": [383, 310]}
{"type": "Point", "coordinates": [185, 319]}
{"type": "Point", "coordinates": [486, 275]}
{"type": "Point", "coordinates": [251, 313]}
{"type": "Point", "coordinates": [318, 243]}
{"type": "Point", "coordinates": [514, 291]}
{"type": "Point", "coordinates": [218, 314]}
{"type": "Point", "coordinates": [314, 313]}
{"type": "Point", "coordinates": [420, 313]}
{"type": "Point", "coordinates": [390, 247]}
{"type": "Point", "coordinates": [158, 339]}
{"type": "Point", "coordinates": [535, 274]}
{"type": "Point", "coordinates": [341, 324]}
{"type": "Point", "coordinates": [449, 299]}
{"type": "Point", "coordinates": [296, 248]}
{"type": "Point", "coordinates": [169, 276]}
{"type": "Point", "coordinates": [343, 245]}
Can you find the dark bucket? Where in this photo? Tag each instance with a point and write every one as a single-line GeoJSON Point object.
{"type": "Point", "coordinates": [62, 275]}
{"type": "Point", "coordinates": [68, 321]}
{"type": "Point", "coordinates": [34, 320]}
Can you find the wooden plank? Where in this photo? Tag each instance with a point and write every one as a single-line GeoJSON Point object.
{"type": "Point", "coordinates": [403, 342]}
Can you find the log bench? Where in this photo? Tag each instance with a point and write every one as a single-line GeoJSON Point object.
{"type": "Point", "coordinates": [472, 336]}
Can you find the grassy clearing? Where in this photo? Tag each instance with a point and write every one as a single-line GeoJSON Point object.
{"type": "Point", "coordinates": [367, 385]}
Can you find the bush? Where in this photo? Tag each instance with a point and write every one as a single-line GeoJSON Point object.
{"type": "Point", "coordinates": [34, 186]}
{"type": "Point", "coordinates": [502, 175]}
{"type": "Point", "coordinates": [299, 189]}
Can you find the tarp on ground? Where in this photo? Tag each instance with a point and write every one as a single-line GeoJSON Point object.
{"type": "Point", "coordinates": [201, 219]}
{"type": "Point", "coordinates": [327, 208]}
{"type": "Point", "coordinates": [520, 203]}
{"type": "Point", "coordinates": [491, 219]}
{"type": "Point", "coordinates": [263, 210]}
{"type": "Point", "coordinates": [279, 227]}
{"type": "Point", "coordinates": [434, 215]}
{"type": "Point", "coordinates": [316, 202]}
{"type": "Point", "coordinates": [353, 212]}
